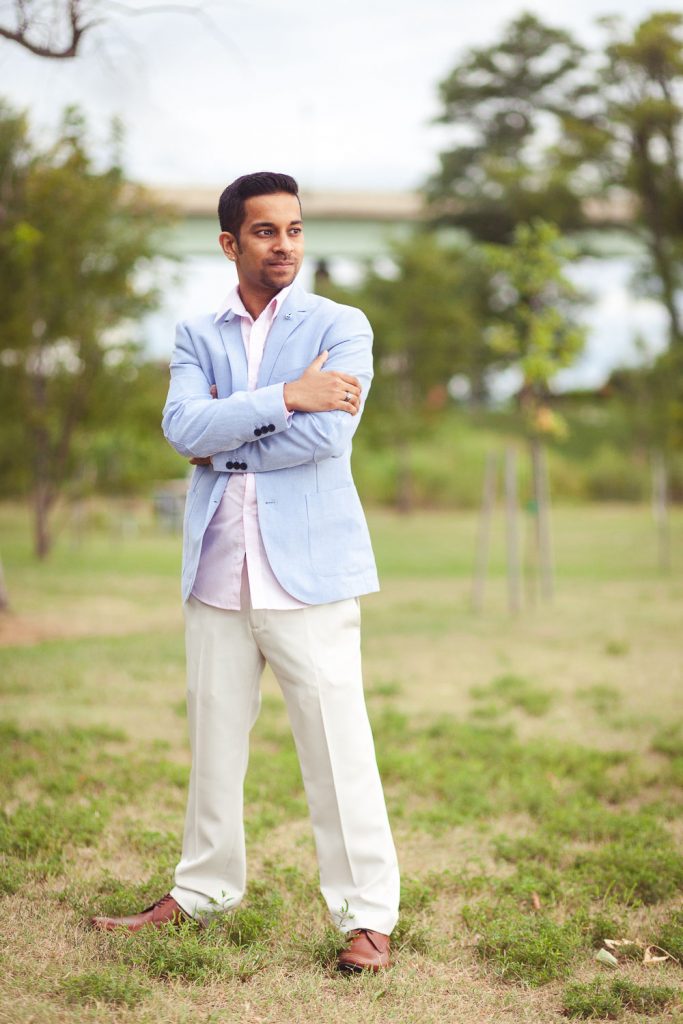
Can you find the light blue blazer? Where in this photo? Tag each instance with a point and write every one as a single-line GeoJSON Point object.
{"type": "Point", "coordinates": [312, 523]}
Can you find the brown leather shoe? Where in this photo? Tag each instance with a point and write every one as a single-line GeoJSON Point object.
{"type": "Point", "coordinates": [367, 951]}
{"type": "Point", "coordinates": [164, 911]}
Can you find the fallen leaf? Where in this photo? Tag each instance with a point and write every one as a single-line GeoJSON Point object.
{"type": "Point", "coordinates": [649, 956]}
{"type": "Point", "coordinates": [606, 958]}
{"type": "Point", "coordinates": [616, 943]}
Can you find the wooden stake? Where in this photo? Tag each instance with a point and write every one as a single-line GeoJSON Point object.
{"type": "Point", "coordinates": [488, 500]}
{"type": "Point", "coordinates": [512, 532]}
{"type": "Point", "coordinates": [542, 500]}
{"type": "Point", "coordinates": [660, 510]}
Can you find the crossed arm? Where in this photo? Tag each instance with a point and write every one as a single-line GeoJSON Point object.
{"type": "Point", "coordinates": [313, 417]}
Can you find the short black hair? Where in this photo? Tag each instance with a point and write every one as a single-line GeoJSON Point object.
{"type": "Point", "coordinates": [262, 183]}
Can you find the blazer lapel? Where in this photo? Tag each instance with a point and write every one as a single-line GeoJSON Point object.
{"type": "Point", "coordinates": [293, 311]}
{"type": "Point", "coordinates": [231, 334]}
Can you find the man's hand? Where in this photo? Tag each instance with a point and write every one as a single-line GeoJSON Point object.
{"type": "Point", "coordinates": [314, 391]}
{"type": "Point", "coordinates": [318, 391]}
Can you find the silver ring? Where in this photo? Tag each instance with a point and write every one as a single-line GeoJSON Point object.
{"type": "Point", "coordinates": [348, 396]}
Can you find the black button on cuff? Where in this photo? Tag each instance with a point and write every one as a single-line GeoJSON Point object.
{"type": "Point", "coordinates": [243, 465]}
{"type": "Point", "coordinates": [271, 426]}
{"type": "Point", "coordinates": [258, 432]}
{"type": "Point", "coordinates": [229, 465]}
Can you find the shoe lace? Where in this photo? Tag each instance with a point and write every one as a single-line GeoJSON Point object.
{"type": "Point", "coordinates": [368, 932]}
{"type": "Point", "coordinates": [158, 903]}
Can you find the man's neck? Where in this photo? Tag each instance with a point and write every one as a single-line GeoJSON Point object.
{"type": "Point", "coordinates": [255, 301]}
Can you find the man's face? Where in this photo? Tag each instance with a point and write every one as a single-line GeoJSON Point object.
{"type": "Point", "coordinates": [270, 247]}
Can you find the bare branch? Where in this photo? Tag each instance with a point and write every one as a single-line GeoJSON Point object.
{"type": "Point", "coordinates": [70, 24]}
{"type": "Point", "coordinates": [28, 18]}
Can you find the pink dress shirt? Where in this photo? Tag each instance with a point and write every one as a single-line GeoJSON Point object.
{"type": "Point", "coordinates": [232, 542]}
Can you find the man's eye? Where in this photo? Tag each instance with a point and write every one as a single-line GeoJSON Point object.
{"type": "Point", "coordinates": [296, 231]}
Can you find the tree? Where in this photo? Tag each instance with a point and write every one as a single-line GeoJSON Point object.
{"type": "Point", "coordinates": [428, 320]}
{"type": "Point", "coordinates": [633, 114]}
{"type": "Point", "coordinates": [556, 130]}
{"type": "Point", "coordinates": [540, 336]}
{"type": "Point", "coordinates": [502, 99]}
{"type": "Point", "coordinates": [56, 29]}
{"type": "Point", "coordinates": [625, 131]}
{"type": "Point", "coordinates": [73, 242]}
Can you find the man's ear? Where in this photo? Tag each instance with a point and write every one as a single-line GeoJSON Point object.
{"type": "Point", "coordinates": [229, 244]}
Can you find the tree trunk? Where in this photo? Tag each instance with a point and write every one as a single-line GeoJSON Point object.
{"type": "Point", "coordinates": [43, 501]}
{"type": "Point", "coordinates": [660, 510]}
{"type": "Point", "coordinates": [4, 596]}
{"type": "Point", "coordinates": [657, 244]}
{"type": "Point", "coordinates": [542, 503]}
{"type": "Point", "coordinates": [404, 478]}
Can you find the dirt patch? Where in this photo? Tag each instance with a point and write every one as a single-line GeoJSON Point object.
{"type": "Point", "coordinates": [100, 617]}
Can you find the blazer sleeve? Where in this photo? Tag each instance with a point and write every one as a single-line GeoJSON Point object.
{"type": "Point", "coordinates": [314, 436]}
{"type": "Point", "coordinates": [196, 424]}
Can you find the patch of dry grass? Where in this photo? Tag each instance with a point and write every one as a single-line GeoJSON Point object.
{"type": "Point", "coordinates": [519, 810]}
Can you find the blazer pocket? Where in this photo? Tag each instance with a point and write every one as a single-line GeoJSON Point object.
{"type": "Point", "coordinates": [338, 538]}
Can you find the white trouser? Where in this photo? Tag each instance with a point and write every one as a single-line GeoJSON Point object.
{"type": "Point", "coordinates": [315, 655]}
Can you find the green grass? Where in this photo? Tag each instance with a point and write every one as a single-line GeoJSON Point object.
{"type": "Point", "coordinates": [597, 999]}
{"type": "Point", "coordinates": [669, 935]}
{"type": "Point", "coordinates": [602, 698]}
{"type": "Point", "coordinates": [114, 985]}
{"type": "Point", "coordinates": [533, 773]}
{"type": "Point", "coordinates": [511, 691]}
{"type": "Point", "coordinates": [523, 946]}
{"type": "Point", "coordinates": [669, 740]}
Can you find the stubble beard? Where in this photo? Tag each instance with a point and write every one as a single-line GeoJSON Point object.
{"type": "Point", "coordinates": [278, 281]}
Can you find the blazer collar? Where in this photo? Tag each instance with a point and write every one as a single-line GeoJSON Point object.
{"type": "Point", "coordinates": [289, 316]}
{"type": "Point", "coordinates": [293, 311]}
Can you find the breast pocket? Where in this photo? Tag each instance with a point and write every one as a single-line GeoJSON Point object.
{"type": "Point", "coordinates": [338, 537]}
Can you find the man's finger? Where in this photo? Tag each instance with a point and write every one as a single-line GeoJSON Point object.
{"type": "Point", "coordinates": [213, 391]}
{"type": "Point", "coordinates": [349, 389]}
{"type": "Point", "coordinates": [347, 378]}
{"type": "Point", "coordinates": [318, 362]}
{"type": "Point", "coordinates": [198, 460]}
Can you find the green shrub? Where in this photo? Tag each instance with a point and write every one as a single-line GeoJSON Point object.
{"type": "Point", "coordinates": [611, 475]}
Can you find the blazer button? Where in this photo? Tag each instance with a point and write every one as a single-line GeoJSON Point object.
{"type": "Point", "coordinates": [243, 465]}
{"type": "Point", "coordinates": [229, 465]}
{"type": "Point", "coordinates": [257, 432]}
{"type": "Point", "coordinates": [271, 426]}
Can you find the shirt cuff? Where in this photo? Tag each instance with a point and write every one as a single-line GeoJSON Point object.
{"type": "Point", "coordinates": [288, 412]}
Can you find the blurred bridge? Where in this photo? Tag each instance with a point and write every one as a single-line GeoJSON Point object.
{"type": "Point", "coordinates": [350, 205]}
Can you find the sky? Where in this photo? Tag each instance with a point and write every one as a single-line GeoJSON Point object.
{"type": "Point", "coordinates": [341, 95]}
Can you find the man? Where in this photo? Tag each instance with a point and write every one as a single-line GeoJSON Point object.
{"type": "Point", "coordinates": [265, 397]}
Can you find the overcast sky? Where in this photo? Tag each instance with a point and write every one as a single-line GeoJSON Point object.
{"type": "Point", "coordinates": [340, 95]}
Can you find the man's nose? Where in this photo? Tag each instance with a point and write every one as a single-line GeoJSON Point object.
{"type": "Point", "coordinates": [283, 243]}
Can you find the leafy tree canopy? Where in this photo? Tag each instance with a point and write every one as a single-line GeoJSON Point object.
{"type": "Point", "coordinates": [74, 240]}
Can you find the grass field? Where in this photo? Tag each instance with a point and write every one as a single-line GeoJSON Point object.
{"type": "Point", "coordinates": [533, 770]}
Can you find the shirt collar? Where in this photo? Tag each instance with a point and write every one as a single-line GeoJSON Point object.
{"type": "Point", "coordinates": [234, 302]}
